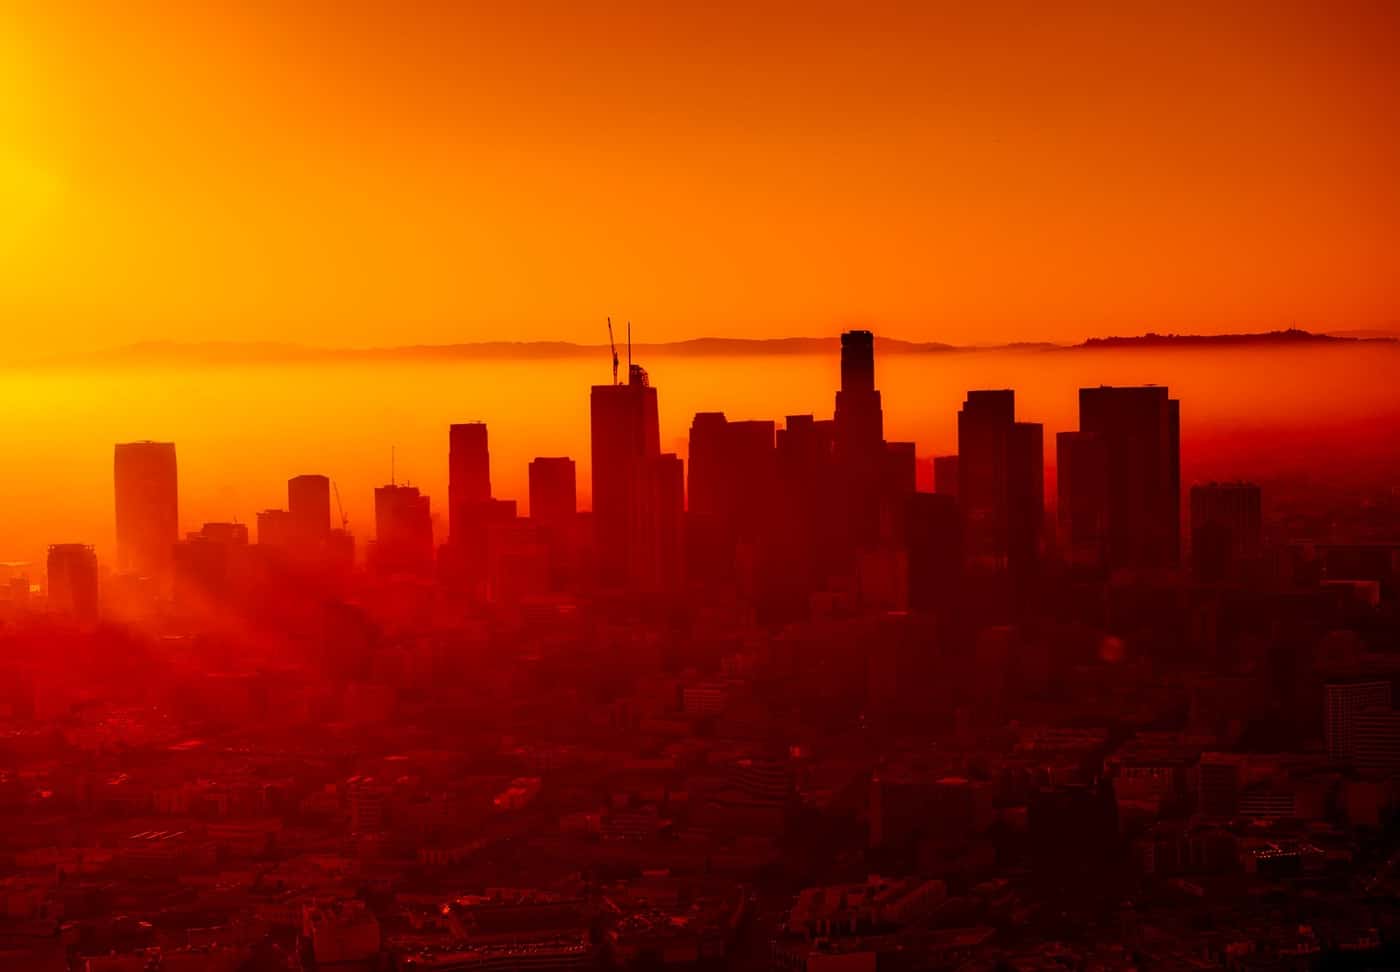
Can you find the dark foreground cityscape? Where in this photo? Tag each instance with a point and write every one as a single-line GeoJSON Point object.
{"type": "Point", "coordinates": [803, 701]}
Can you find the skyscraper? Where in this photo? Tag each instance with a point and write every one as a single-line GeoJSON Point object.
{"type": "Point", "coordinates": [1081, 461]}
{"type": "Point", "coordinates": [148, 508]}
{"type": "Point", "coordinates": [708, 491]}
{"type": "Point", "coordinates": [553, 491]}
{"type": "Point", "coordinates": [403, 527]}
{"type": "Point", "coordinates": [1140, 433]}
{"type": "Point", "coordinates": [860, 439]}
{"type": "Point", "coordinates": [468, 473]}
{"type": "Point", "coordinates": [309, 509]}
{"type": "Point", "coordinates": [655, 524]}
{"type": "Point", "coordinates": [72, 570]}
{"type": "Point", "coordinates": [751, 459]}
{"type": "Point", "coordinates": [1000, 482]}
{"type": "Point", "coordinates": [625, 432]}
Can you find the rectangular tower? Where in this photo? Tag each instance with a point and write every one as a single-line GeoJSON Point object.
{"type": "Point", "coordinates": [148, 507]}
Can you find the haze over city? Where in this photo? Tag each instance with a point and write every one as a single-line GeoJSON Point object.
{"type": "Point", "coordinates": [627, 488]}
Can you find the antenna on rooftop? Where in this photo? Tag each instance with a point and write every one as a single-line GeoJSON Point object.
{"type": "Point", "coordinates": [613, 347]}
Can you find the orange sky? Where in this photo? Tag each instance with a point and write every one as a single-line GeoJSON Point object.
{"type": "Point", "coordinates": [383, 173]}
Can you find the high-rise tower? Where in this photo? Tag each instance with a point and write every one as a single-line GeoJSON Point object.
{"type": "Point", "coordinates": [148, 507]}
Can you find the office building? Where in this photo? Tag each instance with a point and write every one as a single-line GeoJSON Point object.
{"type": "Point", "coordinates": [1138, 430]}
{"type": "Point", "coordinates": [1342, 702]}
{"type": "Point", "coordinates": [148, 507]}
{"type": "Point", "coordinates": [708, 489]}
{"type": "Point", "coordinates": [860, 443]}
{"type": "Point", "coordinates": [468, 472]}
{"type": "Point", "coordinates": [403, 528]}
{"type": "Point", "coordinates": [1081, 475]}
{"type": "Point", "coordinates": [625, 435]}
{"type": "Point", "coordinates": [309, 509]}
{"type": "Point", "coordinates": [1000, 483]}
{"type": "Point", "coordinates": [275, 530]}
{"type": "Point", "coordinates": [72, 575]}
{"type": "Point", "coordinates": [655, 526]}
{"type": "Point", "coordinates": [212, 566]}
{"type": "Point", "coordinates": [553, 491]}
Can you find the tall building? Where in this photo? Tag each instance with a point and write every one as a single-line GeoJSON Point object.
{"type": "Point", "coordinates": [1226, 528]}
{"type": "Point", "coordinates": [1081, 461]}
{"type": "Point", "coordinates": [468, 473]}
{"type": "Point", "coordinates": [403, 528]}
{"type": "Point", "coordinates": [309, 509]}
{"type": "Point", "coordinates": [1342, 703]}
{"type": "Point", "coordinates": [860, 439]}
{"type": "Point", "coordinates": [752, 473]}
{"type": "Point", "coordinates": [553, 491]}
{"type": "Point", "coordinates": [808, 531]}
{"type": "Point", "coordinates": [708, 490]}
{"type": "Point", "coordinates": [275, 530]}
{"type": "Point", "coordinates": [1001, 486]}
{"type": "Point", "coordinates": [1139, 431]}
{"type": "Point", "coordinates": [625, 434]}
{"type": "Point", "coordinates": [656, 524]}
{"type": "Point", "coordinates": [72, 569]}
{"type": "Point", "coordinates": [148, 507]}
{"type": "Point", "coordinates": [212, 566]}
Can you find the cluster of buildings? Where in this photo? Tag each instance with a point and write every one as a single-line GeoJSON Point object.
{"type": "Point", "coordinates": [774, 706]}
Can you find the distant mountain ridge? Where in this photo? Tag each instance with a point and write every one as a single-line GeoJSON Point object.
{"type": "Point", "coordinates": [171, 353]}
{"type": "Point", "coordinates": [1290, 336]}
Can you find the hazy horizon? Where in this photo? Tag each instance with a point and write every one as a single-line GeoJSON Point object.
{"type": "Point", "coordinates": [242, 430]}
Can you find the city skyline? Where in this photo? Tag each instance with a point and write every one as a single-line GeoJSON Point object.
{"type": "Point", "coordinates": [699, 487]}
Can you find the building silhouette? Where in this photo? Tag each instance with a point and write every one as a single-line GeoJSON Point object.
{"type": "Point", "coordinates": [1000, 483]}
{"type": "Point", "coordinates": [468, 473]}
{"type": "Point", "coordinates": [553, 491]}
{"type": "Point", "coordinates": [212, 566]}
{"type": "Point", "coordinates": [147, 506]}
{"type": "Point", "coordinates": [1127, 473]}
{"type": "Point", "coordinates": [625, 437]}
{"type": "Point", "coordinates": [276, 530]}
{"type": "Point", "coordinates": [709, 476]}
{"type": "Point", "coordinates": [860, 440]}
{"type": "Point", "coordinates": [403, 531]}
{"type": "Point", "coordinates": [1081, 473]}
{"type": "Point", "coordinates": [309, 508]}
{"type": "Point", "coordinates": [72, 581]}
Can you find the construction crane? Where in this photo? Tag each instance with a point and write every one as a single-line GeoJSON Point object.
{"type": "Point", "coordinates": [344, 520]}
{"type": "Point", "coordinates": [613, 346]}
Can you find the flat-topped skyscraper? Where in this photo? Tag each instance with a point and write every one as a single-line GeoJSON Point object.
{"type": "Point", "coordinates": [625, 433]}
{"type": "Point", "coordinates": [468, 474]}
{"type": "Point", "coordinates": [1125, 477]}
{"type": "Point", "coordinates": [148, 507]}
